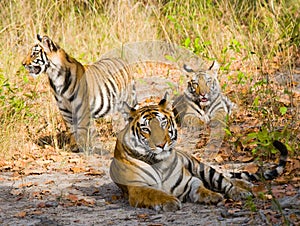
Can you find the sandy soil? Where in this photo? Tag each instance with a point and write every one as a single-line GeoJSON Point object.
{"type": "Point", "coordinates": [75, 189]}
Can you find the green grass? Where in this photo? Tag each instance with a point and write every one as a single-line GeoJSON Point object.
{"type": "Point", "coordinates": [241, 35]}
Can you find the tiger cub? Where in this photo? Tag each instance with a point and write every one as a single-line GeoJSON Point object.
{"type": "Point", "coordinates": [81, 92]}
{"type": "Point", "coordinates": [202, 104]}
{"type": "Point", "coordinates": [152, 174]}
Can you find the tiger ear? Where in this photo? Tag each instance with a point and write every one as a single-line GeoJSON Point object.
{"type": "Point", "coordinates": [187, 68]}
{"type": "Point", "coordinates": [129, 112]}
{"type": "Point", "coordinates": [39, 37]}
{"type": "Point", "coordinates": [163, 103]}
{"type": "Point", "coordinates": [214, 67]}
{"type": "Point", "coordinates": [47, 43]}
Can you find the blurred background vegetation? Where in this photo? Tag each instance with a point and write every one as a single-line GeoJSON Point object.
{"type": "Point", "coordinates": [251, 39]}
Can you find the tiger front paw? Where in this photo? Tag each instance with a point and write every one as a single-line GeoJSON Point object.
{"type": "Point", "coordinates": [154, 199]}
{"type": "Point", "coordinates": [171, 205]}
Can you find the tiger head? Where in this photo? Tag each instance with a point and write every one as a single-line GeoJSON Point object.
{"type": "Point", "coordinates": [203, 86]}
{"type": "Point", "coordinates": [151, 132]}
{"type": "Point", "coordinates": [37, 60]}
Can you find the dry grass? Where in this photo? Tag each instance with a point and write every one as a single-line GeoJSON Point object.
{"type": "Point", "coordinates": [241, 36]}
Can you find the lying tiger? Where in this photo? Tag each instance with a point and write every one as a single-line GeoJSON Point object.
{"type": "Point", "coordinates": [152, 174]}
{"type": "Point", "coordinates": [204, 104]}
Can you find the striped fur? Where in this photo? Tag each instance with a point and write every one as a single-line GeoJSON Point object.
{"type": "Point", "coordinates": [81, 92]}
{"type": "Point", "coordinates": [202, 99]}
{"type": "Point", "coordinates": [152, 174]}
{"type": "Point", "coordinates": [204, 104]}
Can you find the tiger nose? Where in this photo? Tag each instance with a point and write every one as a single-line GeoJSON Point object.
{"type": "Point", "coordinates": [161, 145]}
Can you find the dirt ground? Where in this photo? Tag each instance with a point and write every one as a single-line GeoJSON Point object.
{"type": "Point", "coordinates": [83, 194]}
{"type": "Point", "coordinates": [52, 187]}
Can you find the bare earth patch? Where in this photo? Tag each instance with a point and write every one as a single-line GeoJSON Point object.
{"type": "Point", "coordinates": [80, 192]}
{"type": "Point", "coordinates": [54, 187]}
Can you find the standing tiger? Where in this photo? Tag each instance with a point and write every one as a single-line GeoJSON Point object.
{"type": "Point", "coordinates": [204, 104]}
{"type": "Point", "coordinates": [152, 174]}
{"type": "Point", "coordinates": [81, 92]}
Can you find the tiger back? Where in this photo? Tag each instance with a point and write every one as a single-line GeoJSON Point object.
{"type": "Point", "coordinates": [81, 92]}
{"type": "Point", "coordinates": [153, 174]}
{"type": "Point", "coordinates": [203, 104]}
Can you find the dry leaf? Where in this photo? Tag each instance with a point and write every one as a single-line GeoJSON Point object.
{"type": "Point", "coordinates": [243, 158]}
{"type": "Point", "coordinates": [72, 198]}
{"type": "Point", "coordinates": [259, 189]}
{"type": "Point", "coordinates": [49, 182]}
{"type": "Point", "coordinates": [36, 212]}
{"type": "Point", "coordinates": [34, 171]}
{"type": "Point", "coordinates": [16, 192]}
{"type": "Point", "coordinates": [93, 172]}
{"type": "Point", "coordinates": [296, 179]}
{"type": "Point", "coordinates": [235, 129]}
{"type": "Point", "coordinates": [251, 168]}
{"type": "Point", "coordinates": [5, 165]}
{"type": "Point", "coordinates": [73, 160]}
{"type": "Point", "coordinates": [232, 211]}
{"type": "Point", "coordinates": [294, 217]}
{"type": "Point", "coordinates": [43, 162]}
{"type": "Point", "coordinates": [15, 176]}
{"type": "Point", "coordinates": [143, 216]}
{"type": "Point", "coordinates": [21, 214]}
{"type": "Point", "coordinates": [219, 159]}
{"type": "Point", "coordinates": [55, 158]}
{"type": "Point", "coordinates": [268, 196]}
{"type": "Point", "coordinates": [41, 205]}
{"type": "Point", "coordinates": [87, 201]}
{"type": "Point", "coordinates": [76, 169]}
{"type": "Point", "coordinates": [95, 191]}
{"type": "Point", "coordinates": [115, 197]}
{"type": "Point", "coordinates": [29, 184]}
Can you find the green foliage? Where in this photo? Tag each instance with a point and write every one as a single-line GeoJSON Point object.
{"type": "Point", "coordinates": [283, 110]}
{"type": "Point", "coordinates": [250, 204]}
{"type": "Point", "coordinates": [262, 141]}
{"type": "Point", "coordinates": [198, 47]}
{"type": "Point", "coordinates": [14, 101]}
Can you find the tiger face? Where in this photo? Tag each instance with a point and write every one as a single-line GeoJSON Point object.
{"type": "Point", "coordinates": [203, 87]}
{"type": "Point", "coordinates": [152, 132]}
{"type": "Point", "coordinates": [37, 60]}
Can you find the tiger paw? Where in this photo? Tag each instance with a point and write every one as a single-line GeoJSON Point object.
{"type": "Point", "coordinates": [169, 206]}
{"type": "Point", "coordinates": [151, 198]}
{"type": "Point", "coordinates": [208, 197]}
{"type": "Point", "coordinates": [237, 193]}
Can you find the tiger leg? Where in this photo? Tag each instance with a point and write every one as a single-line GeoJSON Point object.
{"type": "Point", "coordinates": [148, 197]}
{"type": "Point", "coordinates": [73, 146]}
{"type": "Point", "coordinates": [216, 181]}
{"type": "Point", "coordinates": [201, 194]}
{"type": "Point", "coordinates": [190, 132]}
{"type": "Point", "coordinates": [69, 142]}
{"type": "Point", "coordinates": [192, 122]}
{"type": "Point", "coordinates": [217, 133]}
{"type": "Point", "coordinates": [82, 124]}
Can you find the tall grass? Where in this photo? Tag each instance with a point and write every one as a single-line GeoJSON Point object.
{"type": "Point", "coordinates": [246, 33]}
{"type": "Point", "coordinates": [236, 29]}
